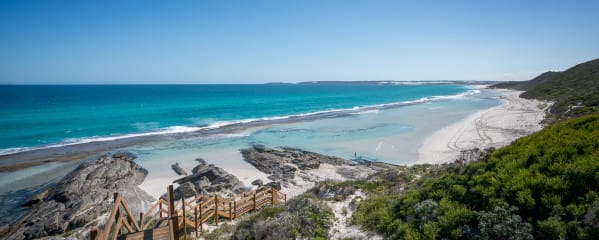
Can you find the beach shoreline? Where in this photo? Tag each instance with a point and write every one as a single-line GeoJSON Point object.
{"type": "Point", "coordinates": [494, 127]}
{"type": "Point", "coordinates": [95, 147]}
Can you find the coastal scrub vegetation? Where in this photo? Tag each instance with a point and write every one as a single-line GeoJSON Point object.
{"type": "Point", "coordinates": [543, 186]}
{"type": "Point", "coordinates": [574, 91]}
{"type": "Point", "coordinates": [303, 217]}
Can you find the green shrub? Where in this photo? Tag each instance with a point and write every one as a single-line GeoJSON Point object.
{"type": "Point", "coordinates": [544, 185]}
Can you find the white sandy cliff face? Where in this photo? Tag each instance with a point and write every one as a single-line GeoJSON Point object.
{"type": "Point", "coordinates": [495, 127]}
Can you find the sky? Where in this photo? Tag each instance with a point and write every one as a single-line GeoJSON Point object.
{"type": "Point", "coordinates": [121, 42]}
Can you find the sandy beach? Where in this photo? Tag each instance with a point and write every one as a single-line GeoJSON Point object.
{"type": "Point", "coordinates": [495, 127]}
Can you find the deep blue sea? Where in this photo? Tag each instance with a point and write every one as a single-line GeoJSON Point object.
{"type": "Point", "coordinates": [50, 115]}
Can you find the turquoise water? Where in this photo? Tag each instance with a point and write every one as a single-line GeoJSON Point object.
{"type": "Point", "coordinates": [38, 116]}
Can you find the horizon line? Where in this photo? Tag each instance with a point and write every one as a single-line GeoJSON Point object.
{"type": "Point", "coordinates": [259, 83]}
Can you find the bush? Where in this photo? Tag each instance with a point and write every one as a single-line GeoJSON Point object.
{"type": "Point", "coordinates": [544, 185]}
{"type": "Point", "coordinates": [304, 217]}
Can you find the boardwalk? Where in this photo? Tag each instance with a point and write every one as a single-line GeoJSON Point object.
{"type": "Point", "coordinates": [177, 219]}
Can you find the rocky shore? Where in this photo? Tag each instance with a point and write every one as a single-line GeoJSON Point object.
{"type": "Point", "coordinates": [82, 199]}
{"type": "Point", "coordinates": [207, 179]}
{"type": "Point", "coordinates": [76, 203]}
{"type": "Point", "coordinates": [295, 170]}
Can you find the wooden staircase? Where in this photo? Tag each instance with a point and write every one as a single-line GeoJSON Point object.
{"type": "Point", "coordinates": [173, 220]}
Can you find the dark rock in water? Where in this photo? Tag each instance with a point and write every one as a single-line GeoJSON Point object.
{"type": "Point", "coordinates": [281, 163]}
{"type": "Point", "coordinates": [275, 185]}
{"type": "Point", "coordinates": [257, 182]}
{"type": "Point", "coordinates": [37, 198]}
{"type": "Point", "coordinates": [259, 147]}
{"type": "Point", "coordinates": [178, 169]}
{"type": "Point", "coordinates": [201, 161]}
{"type": "Point", "coordinates": [83, 195]}
{"type": "Point", "coordinates": [209, 179]}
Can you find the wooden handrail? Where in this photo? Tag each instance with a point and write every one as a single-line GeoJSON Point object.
{"type": "Point", "coordinates": [193, 212]}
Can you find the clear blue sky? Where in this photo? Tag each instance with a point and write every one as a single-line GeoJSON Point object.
{"type": "Point", "coordinates": [291, 41]}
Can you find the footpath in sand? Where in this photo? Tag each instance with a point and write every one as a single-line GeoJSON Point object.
{"type": "Point", "coordinates": [495, 127]}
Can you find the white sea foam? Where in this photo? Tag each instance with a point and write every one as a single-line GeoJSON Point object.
{"type": "Point", "coordinates": [14, 150]}
{"type": "Point", "coordinates": [369, 111]}
{"type": "Point", "coordinates": [221, 124]}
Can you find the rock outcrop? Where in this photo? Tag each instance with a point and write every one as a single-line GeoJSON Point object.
{"type": "Point", "coordinates": [178, 169]}
{"type": "Point", "coordinates": [38, 197]}
{"type": "Point", "coordinates": [257, 182]}
{"type": "Point", "coordinates": [285, 161]}
{"type": "Point", "coordinates": [295, 167]}
{"type": "Point", "coordinates": [82, 196]}
{"type": "Point", "coordinates": [207, 179]}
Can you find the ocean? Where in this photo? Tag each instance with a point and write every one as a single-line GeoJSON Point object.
{"type": "Point", "coordinates": [52, 115]}
{"type": "Point", "coordinates": [367, 121]}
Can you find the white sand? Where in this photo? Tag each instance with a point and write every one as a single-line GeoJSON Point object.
{"type": "Point", "coordinates": [306, 179]}
{"type": "Point", "coordinates": [342, 228]}
{"type": "Point", "coordinates": [495, 127]}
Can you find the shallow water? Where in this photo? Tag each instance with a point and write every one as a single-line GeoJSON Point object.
{"type": "Point", "coordinates": [42, 116]}
{"type": "Point", "coordinates": [390, 135]}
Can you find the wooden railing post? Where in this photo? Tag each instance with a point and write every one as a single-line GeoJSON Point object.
{"type": "Point", "coordinates": [254, 201]}
{"type": "Point", "coordinates": [124, 219]}
{"type": "Point", "coordinates": [184, 218]}
{"type": "Point", "coordinates": [201, 218]}
{"type": "Point", "coordinates": [93, 234]}
{"type": "Point", "coordinates": [118, 229]}
{"type": "Point", "coordinates": [234, 209]}
{"type": "Point", "coordinates": [116, 204]}
{"type": "Point", "coordinates": [216, 201]}
{"type": "Point", "coordinates": [160, 208]}
{"type": "Point", "coordinates": [174, 219]}
{"type": "Point", "coordinates": [195, 218]}
{"type": "Point", "coordinates": [141, 221]}
{"type": "Point", "coordinates": [230, 210]}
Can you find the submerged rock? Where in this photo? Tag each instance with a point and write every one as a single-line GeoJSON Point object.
{"type": "Point", "coordinates": [82, 196]}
